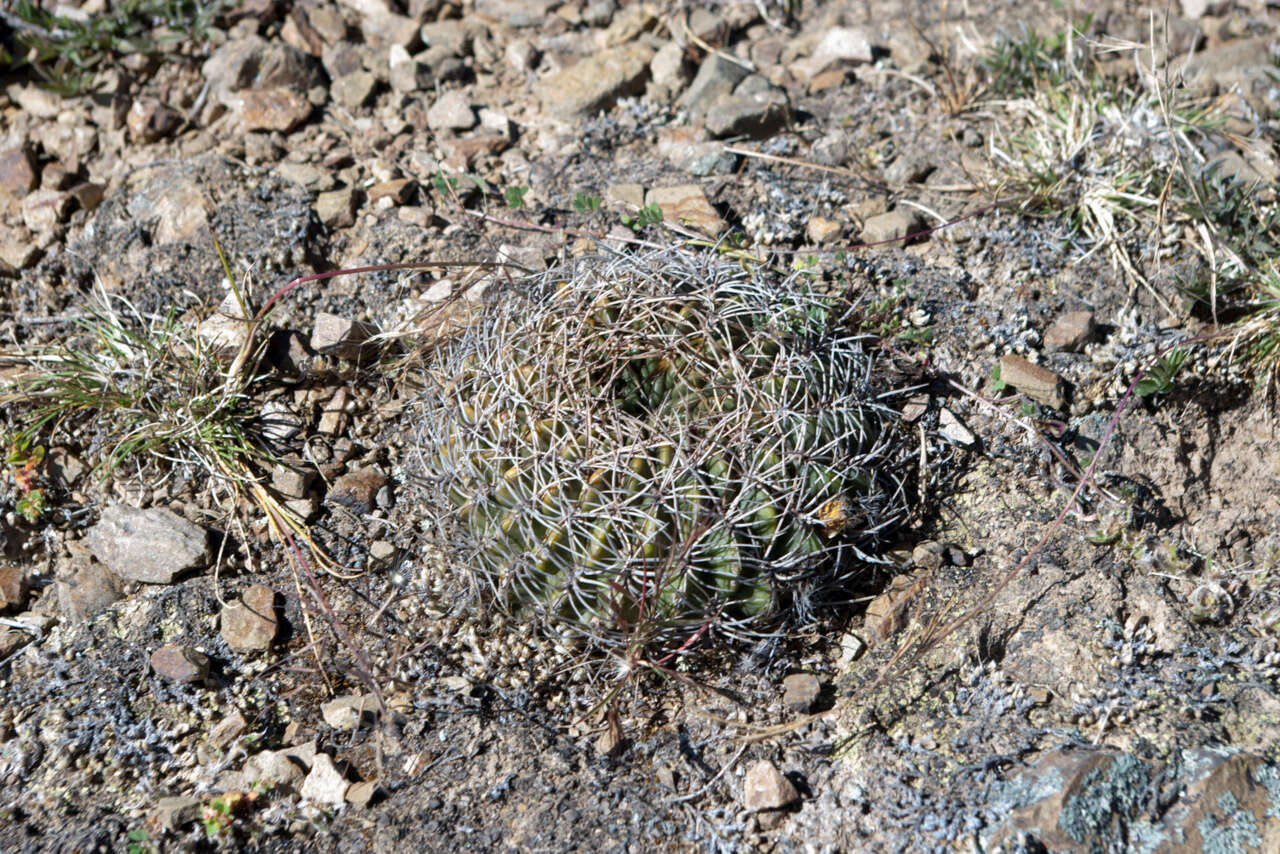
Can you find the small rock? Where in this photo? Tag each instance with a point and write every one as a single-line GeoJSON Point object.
{"type": "Point", "coordinates": [451, 111]}
{"type": "Point", "coordinates": [13, 587]}
{"type": "Point", "coordinates": [909, 168]}
{"type": "Point", "coordinates": [595, 83]}
{"type": "Point", "coordinates": [360, 795]}
{"type": "Point", "coordinates": [180, 663]}
{"type": "Point", "coordinates": [755, 115]}
{"type": "Point", "coordinates": [668, 67]}
{"type": "Point", "coordinates": [175, 813]}
{"type": "Point", "coordinates": [382, 551]}
{"type": "Point", "coordinates": [629, 197]}
{"type": "Point", "coordinates": [153, 545]}
{"type": "Point", "coordinates": [251, 624]}
{"type": "Point", "coordinates": [337, 208]}
{"type": "Point", "coordinates": [228, 730]}
{"type": "Point", "coordinates": [609, 741]}
{"type": "Point", "coordinates": [953, 429]}
{"type": "Point", "coordinates": [288, 352]}
{"type": "Point", "coordinates": [17, 253]}
{"type": "Point", "coordinates": [333, 418]}
{"type": "Point", "coordinates": [800, 691]}
{"type": "Point", "coordinates": [226, 330]}
{"type": "Point", "coordinates": [91, 590]}
{"type": "Point", "coordinates": [928, 555]}
{"type": "Point", "coordinates": [957, 556]}
{"type": "Point", "coordinates": [275, 109]}
{"type": "Point", "coordinates": [764, 788]}
{"type": "Point", "coordinates": [17, 172]}
{"type": "Point", "coordinates": [1039, 384]}
{"type": "Point", "coordinates": [821, 230]}
{"type": "Point", "coordinates": [340, 336]}
{"type": "Point", "coordinates": [348, 713]}
{"type": "Point", "coordinates": [887, 613]}
{"type": "Point", "coordinates": [255, 63]}
{"type": "Point", "coordinates": [716, 78]}
{"type": "Point", "coordinates": [1069, 332]}
{"type": "Point", "coordinates": [88, 194]}
{"type": "Point", "coordinates": [43, 209]}
{"type": "Point", "coordinates": [405, 73]}
{"type": "Point", "coordinates": [894, 225]}
{"type": "Point", "coordinates": [357, 490]}
{"type": "Point", "coordinates": [840, 44]}
{"type": "Point", "coordinates": [306, 175]}
{"type": "Point", "coordinates": [687, 204]}
{"type": "Point", "coordinates": [396, 190]}
{"type": "Point", "coordinates": [276, 767]}
{"type": "Point", "coordinates": [292, 481]}
{"type": "Point", "coordinates": [354, 89]}
{"type": "Point", "coordinates": [324, 785]}
{"type": "Point", "coordinates": [149, 120]}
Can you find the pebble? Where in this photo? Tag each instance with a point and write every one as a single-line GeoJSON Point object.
{"type": "Point", "coordinates": [953, 429]}
{"type": "Point", "coordinates": [765, 788]}
{"type": "Point", "coordinates": [228, 730]}
{"type": "Point", "coordinates": [337, 208]}
{"type": "Point", "coordinates": [179, 663]}
{"type": "Point", "coordinates": [149, 120]}
{"type": "Point", "coordinates": [361, 794]}
{"type": "Point", "coordinates": [324, 785]}
{"type": "Point", "coordinates": [175, 813]}
{"type": "Point", "coordinates": [17, 171]}
{"type": "Point", "coordinates": [346, 714]}
{"type": "Point", "coordinates": [716, 78]}
{"type": "Point", "coordinates": [451, 111]}
{"type": "Point", "coordinates": [1040, 384]}
{"type": "Point", "coordinates": [822, 230]}
{"type": "Point", "coordinates": [928, 555]}
{"type": "Point", "coordinates": [92, 589]}
{"type": "Point", "coordinates": [273, 109]}
{"type": "Point", "coordinates": [755, 115]}
{"type": "Point", "coordinates": [251, 624]}
{"type": "Point", "coordinates": [226, 330]}
{"type": "Point", "coordinates": [13, 587]}
{"type": "Point", "coordinates": [839, 44]}
{"type": "Point", "coordinates": [800, 692]}
{"type": "Point", "coordinates": [340, 336]}
{"type": "Point", "coordinates": [353, 90]}
{"type": "Point", "coordinates": [357, 490]}
{"type": "Point", "coordinates": [894, 225]}
{"type": "Point", "coordinates": [154, 546]}
{"type": "Point", "coordinates": [43, 209]}
{"type": "Point", "coordinates": [1069, 332]}
{"type": "Point", "coordinates": [276, 767]}
{"type": "Point", "coordinates": [405, 73]}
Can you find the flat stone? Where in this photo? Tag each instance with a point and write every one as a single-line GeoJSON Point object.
{"type": "Point", "coordinates": [1040, 384]}
{"type": "Point", "coordinates": [839, 44]}
{"type": "Point", "coordinates": [1070, 331]}
{"type": "Point", "coordinates": [275, 109]}
{"type": "Point", "coordinates": [357, 490]}
{"type": "Point", "coordinates": [153, 545]}
{"type": "Point", "coordinates": [451, 111]}
{"type": "Point", "coordinates": [88, 194]}
{"type": "Point", "coordinates": [765, 788]}
{"type": "Point", "coordinates": [353, 90]}
{"type": "Point", "coordinates": [687, 204]}
{"type": "Point", "coordinates": [179, 663]}
{"type": "Point", "coordinates": [18, 174]}
{"type": "Point", "coordinates": [822, 230]}
{"type": "Point", "coordinates": [333, 417]}
{"type": "Point", "coordinates": [18, 253]}
{"type": "Point", "coordinates": [595, 83]}
{"type": "Point", "coordinates": [36, 100]}
{"type": "Point", "coordinates": [175, 813]}
{"type": "Point", "coordinates": [324, 785]}
{"type": "Point", "coordinates": [306, 175]}
{"type": "Point", "coordinates": [360, 795]}
{"type": "Point", "coordinates": [43, 209]}
{"type": "Point", "coordinates": [337, 208]}
{"type": "Point", "coordinates": [397, 190]}
{"type": "Point", "coordinates": [754, 116]}
{"type": "Point", "coordinates": [887, 614]}
{"type": "Point", "coordinates": [91, 590]}
{"type": "Point", "coordinates": [228, 730]}
{"type": "Point", "coordinates": [894, 225]}
{"type": "Point", "coordinates": [952, 428]}
{"type": "Point", "coordinates": [340, 336]}
{"type": "Point", "coordinates": [13, 587]}
{"type": "Point", "coordinates": [800, 691]}
{"type": "Point", "coordinates": [349, 713]}
{"type": "Point", "coordinates": [465, 150]}
{"type": "Point", "coordinates": [251, 624]}
{"type": "Point", "coordinates": [390, 28]}
{"type": "Point", "coordinates": [291, 481]}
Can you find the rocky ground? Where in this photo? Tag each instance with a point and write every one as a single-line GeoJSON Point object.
{"type": "Point", "coordinates": [178, 674]}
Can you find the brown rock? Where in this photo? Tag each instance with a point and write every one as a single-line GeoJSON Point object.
{"type": "Point", "coordinates": [175, 813]}
{"type": "Point", "coordinates": [1039, 384]}
{"type": "Point", "coordinates": [88, 194]}
{"type": "Point", "coordinates": [686, 204]}
{"type": "Point", "coordinates": [894, 225]}
{"type": "Point", "coordinates": [337, 208]}
{"type": "Point", "coordinates": [360, 795]}
{"type": "Point", "coordinates": [250, 625]}
{"type": "Point", "coordinates": [90, 590]}
{"type": "Point", "coordinates": [43, 209]}
{"type": "Point", "coordinates": [595, 83]}
{"type": "Point", "coordinates": [800, 691]}
{"type": "Point", "coordinates": [764, 788]}
{"type": "Point", "coordinates": [17, 171]}
{"type": "Point", "coordinates": [822, 230]}
{"type": "Point", "coordinates": [149, 120]}
{"type": "Point", "coordinates": [887, 614]}
{"type": "Point", "coordinates": [13, 587]}
{"type": "Point", "coordinates": [180, 663]}
{"type": "Point", "coordinates": [1069, 332]}
{"type": "Point", "coordinates": [463, 151]}
{"type": "Point", "coordinates": [353, 90]}
{"type": "Point", "coordinates": [348, 713]}
{"type": "Point", "coordinates": [228, 730]}
{"type": "Point", "coordinates": [397, 191]}
{"type": "Point", "coordinates": [357, 490]}
{"type": "Point", "coordinates": [277, 109]}
{"type": "Point", "coordinates": [154, 545]}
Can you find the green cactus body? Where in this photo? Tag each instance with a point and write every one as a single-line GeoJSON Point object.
{"type": "Point", "coordinates": [647, 448]}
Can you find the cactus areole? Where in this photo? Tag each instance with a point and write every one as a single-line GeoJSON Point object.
{"type": "Point", "coordinates": [647, 447]}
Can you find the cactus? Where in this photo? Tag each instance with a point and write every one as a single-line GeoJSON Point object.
{"type": "Point", "coordinates": [655, 446]}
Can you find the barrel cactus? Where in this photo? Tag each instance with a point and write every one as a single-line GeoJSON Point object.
{"type": "Point", "coordinates": [650, 448]}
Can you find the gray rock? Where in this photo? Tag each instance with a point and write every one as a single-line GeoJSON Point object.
{"type": "Point", "coordinates": [276, 767]}
{"type": "Point", "coordinates": [800, 691]}
{"type": "Point", "coordinates": [928, 555]}
{"type": "Point", "coordinates": [251, 624]}
{"type": "Point", "coordinates": [353, 90]}
{"type": "Point", "coordinates": [153, 545]}
{"type": "Point", "coordinates": [516, 13]}
{"type": "Point", "coordinates": [716, 78]}
{"type": "Point", "coordinates": [254, 63]}
{"type": "Point", "coordinates": [175, 813]}
{"type": "Point", "coordinates": [595, 83]}
{"type": "Point", "coordinates": [451, 111]}
{"type": "Point", "coordinates": [839, 44]}
{"type": "Point", "coordinates": [324, 785]}
{"type": "Point", "coordinates": [405, 73]}
{"type": "Point", "coordinates": [337, 208]}
{"type": "Point", "coordinates": [91, 590]}
{"type": "Point", "coordinates": [349, 713]}
{"type": "Point", "coordinates": [756, 115]}
{"type": "Point", "coordinates": [340, 336]}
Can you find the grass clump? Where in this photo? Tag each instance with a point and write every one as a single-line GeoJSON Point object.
{"type": "Point", "coordinates": [642, 451]}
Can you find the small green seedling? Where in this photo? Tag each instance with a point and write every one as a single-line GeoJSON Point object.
{"type": "Point", "coordinates": [647, 216]}
{"type": "Point", "coordinates": [514, 197]}
{"type": "Point", "coordinates": [997, 383]}
{"type": "Point", "coordinates": [139, 842]}
{"type": "Point", "coordinates": [1159, 380]}
{"type": "Point", "coordinates": [584, 204]}
{"type": "Point", "coordinates": [23, 461]}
